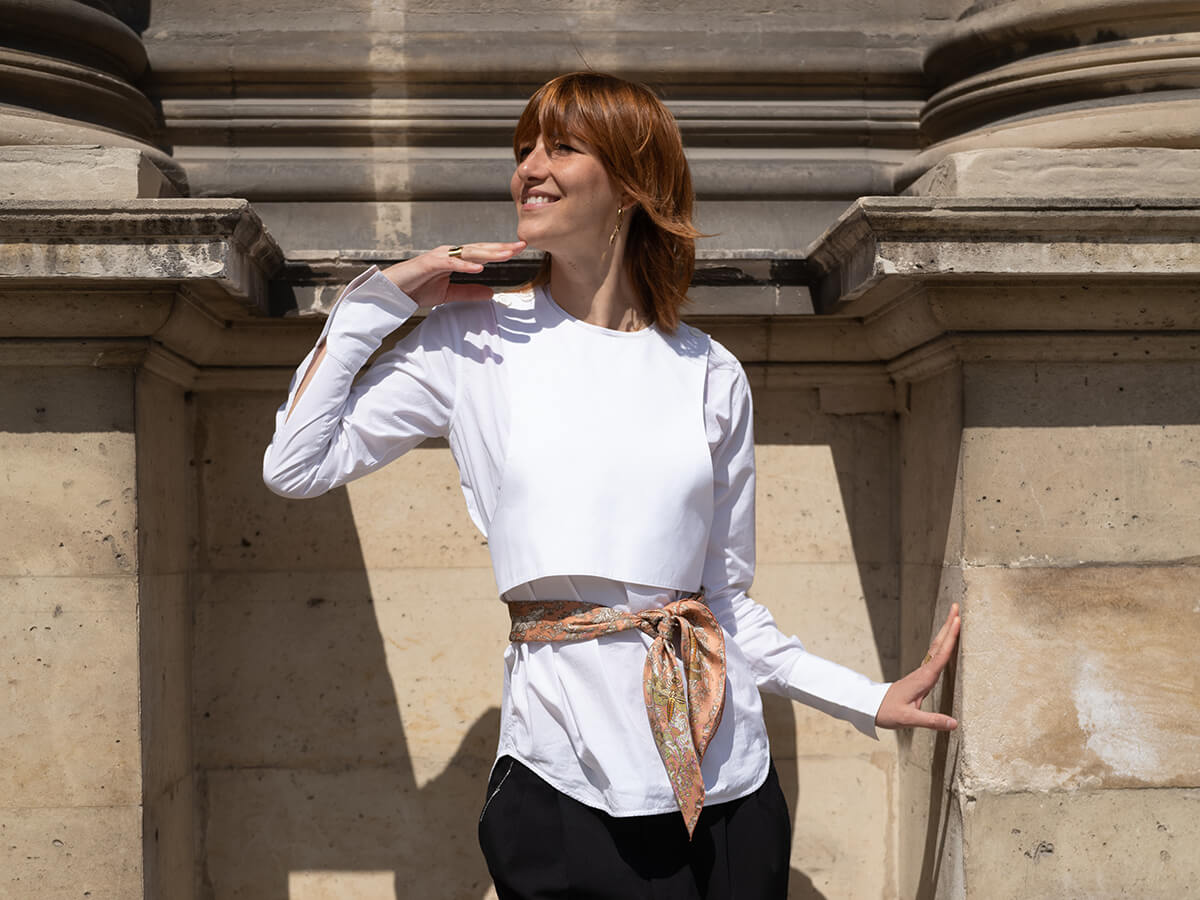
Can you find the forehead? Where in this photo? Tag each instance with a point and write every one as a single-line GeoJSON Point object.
{"type": "Point", "coordinates": [554, 115]}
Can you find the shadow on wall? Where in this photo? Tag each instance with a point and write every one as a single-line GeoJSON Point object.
{"type": "Point", "coordinates": [781, 729]}
{"type": "Point", "coordinates": [306, 782]}
{"type": "Point", "coordinates": [134, 13]}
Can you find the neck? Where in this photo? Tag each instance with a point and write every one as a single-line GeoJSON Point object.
{"type": "Point", "coordinates": [598, 291]}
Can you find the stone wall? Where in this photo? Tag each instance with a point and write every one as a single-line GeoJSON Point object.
{"type": "Point", "coordinates": [982, 392]}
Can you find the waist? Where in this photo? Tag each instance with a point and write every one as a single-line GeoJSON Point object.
{"type": "Point", "coordinates": [623, 595]}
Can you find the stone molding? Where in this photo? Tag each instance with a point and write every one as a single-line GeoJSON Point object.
{"type": "Point", "coordinates": [1014, 279]}
{"type": "Point", "coordinates": [109, 283]}
{"type": "Point", "coordinates": [521, 59]}
{"type": "Point", "coordinates": [1071, 74]}
{"type": "Point", "coordinates": [81, 33]}
{"type": "Point", "coordinates": [1029, 172]}
{"type": "Point", "coordinates": [70, 74]}
{"type": "Point", "coordinates": [381, 115]}
{"type": "Point", "coordinates": [994, 32]}
{"type": "Point", "coordinates": [139, 242]}
{"type": "Point", "coordinates": [892, 278]}
{"type": "Point", "coordinates": [424, 149]}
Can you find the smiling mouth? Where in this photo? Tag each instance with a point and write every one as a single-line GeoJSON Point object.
{"type": "Point", "coordinates": [538, 200]}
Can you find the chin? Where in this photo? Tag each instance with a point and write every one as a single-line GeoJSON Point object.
{"type": "Point", "coordinates": [530, 236]}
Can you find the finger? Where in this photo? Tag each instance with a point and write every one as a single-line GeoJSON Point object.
{"type": "Point", "coordinates": [491, 251]}
{"type": "Point", "coordinates": [937, 639]}
{"type": "Point", "coordinates": [933, 721]}
{"type": "Point", "coordinates": [942, 641]}
{"type": "Point", "coordinates": [442, 266]}
{"type": "Point", "coordinates": [511, 246]}
{"type": "Point", "coordinates": [946, 645]}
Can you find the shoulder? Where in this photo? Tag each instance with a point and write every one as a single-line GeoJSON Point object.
{"type": "Point", "coordinates": [727, 381]}
{"type": "Point", "coordinates": [721, 361]}
{"type": "Point", "coordinates": [727, 399]}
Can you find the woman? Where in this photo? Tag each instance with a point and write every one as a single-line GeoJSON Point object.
{"type": "Point", "coordinates": [606, 452]}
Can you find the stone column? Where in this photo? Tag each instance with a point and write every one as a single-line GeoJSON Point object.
{"type": "Point", "coordinates": [1069, 74]}
{"type": "Point", "coordinates": [73, 120]}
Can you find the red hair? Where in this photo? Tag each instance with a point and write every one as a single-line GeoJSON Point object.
{"type": "Point", "coordinates": [636, 139]}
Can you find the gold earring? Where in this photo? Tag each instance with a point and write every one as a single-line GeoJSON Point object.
{"type": "Point", "coordinates": [612, 238]}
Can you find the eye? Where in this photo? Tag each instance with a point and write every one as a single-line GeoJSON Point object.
{"type": "Point", "coordinates": [523, 152]}
{"type": "Point", "coordinates": [564, 147]}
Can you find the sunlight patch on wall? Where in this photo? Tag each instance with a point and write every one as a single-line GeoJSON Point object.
{"type": "Point", "coordinates": [327, 885]}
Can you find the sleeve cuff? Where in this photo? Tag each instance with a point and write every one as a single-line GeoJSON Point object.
{"type": "Point", "coordinates": [370, 309]}
{"type": "Point", "coordinates": [837, 691]}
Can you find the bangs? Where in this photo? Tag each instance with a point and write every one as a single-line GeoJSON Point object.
{"type": "Point", "coordinates": [558, 111]}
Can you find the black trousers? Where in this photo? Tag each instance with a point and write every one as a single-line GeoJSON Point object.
{"type": "Point", "coordinates": [540, 844]}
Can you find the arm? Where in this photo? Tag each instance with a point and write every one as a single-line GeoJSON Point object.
{"type": "Point", "coordinates": [780, 663]}
{"type": "Point", "coordinates": [330, 430]}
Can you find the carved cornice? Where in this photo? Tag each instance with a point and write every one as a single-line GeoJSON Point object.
{"type": "Point", "coordinates": [913, 271]}
{"type": "Point", "coordinates": [146, 243]}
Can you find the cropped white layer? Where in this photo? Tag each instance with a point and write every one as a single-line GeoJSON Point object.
{"type": "Point", "coordinates": [573, 713]}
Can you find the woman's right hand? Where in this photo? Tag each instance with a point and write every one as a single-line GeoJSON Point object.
{"type": "Point", "coordinates": [426, 278]}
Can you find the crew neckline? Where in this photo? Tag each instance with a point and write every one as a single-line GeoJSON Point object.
{"type": "Point", "coordinates": [544, 292]}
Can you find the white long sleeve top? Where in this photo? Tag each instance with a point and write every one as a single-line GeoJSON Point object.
{"type": "Point", "coordinates": [572, 712]}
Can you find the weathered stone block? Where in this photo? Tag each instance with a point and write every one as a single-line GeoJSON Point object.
{"type": "Point", "coordinates": [839, 610]}
{"type": "Point", "coordinates": [826, 497]}
{"type": "Point", "coordinates": [1064, 464]}
{"type": "Point", "coordinates": [930, 437]}
{"type": "Point", "coordinates": [69, 734]}
{"type": "Point", "coordinates": [56, 854]}
{"type": "Point", "coordinates": [1096, 844]}
{"type": "Point", "coordinates": [341, 669]}
{"type": "Point", "coordinates": [69, 173]}
{"type": "Point", "coordinates": [66, 438]}
{"type": "Point", "coordinates": [410, 513]}
{"type": "Point", "coordinates": [165, 480]}
{"type": "Point", "coordinates": [842, 828]}
{"type": "Point", "coordinates": [269, 828]}
{"type": "Point", "coordinates": [1038, 172]}
{"type": "Point", "coordinates": [165, 659]}
{"type": "Point", "coordinates": [1080, 678]}
{"type": "Point", "coordinates": [170, 845]}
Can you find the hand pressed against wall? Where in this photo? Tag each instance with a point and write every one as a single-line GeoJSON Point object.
{"type": "Point", "coordinates": [901, 706]}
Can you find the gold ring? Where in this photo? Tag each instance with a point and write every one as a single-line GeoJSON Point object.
{"type": "Point", "coordinates": [455, 252]}
{"type": "Point", "coordinates": [928, 657]}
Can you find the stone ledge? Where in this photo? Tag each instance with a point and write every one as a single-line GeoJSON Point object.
{"type": "Point", "coordinates": [726, 283]}
{"type": "Point", "coordinates": [207, 244]}
{"type": "Point", "coordinates": [883, 245]}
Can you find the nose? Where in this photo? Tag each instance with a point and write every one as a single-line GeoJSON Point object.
{"type": "Point", "coordinates": [534, 163]}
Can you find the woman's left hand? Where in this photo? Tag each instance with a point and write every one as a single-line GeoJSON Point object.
{"type": "Point", "coordinates": [901, 706]}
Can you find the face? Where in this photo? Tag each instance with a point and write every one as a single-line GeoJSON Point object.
{"type": "Point", "coordinates": [566, 201]}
